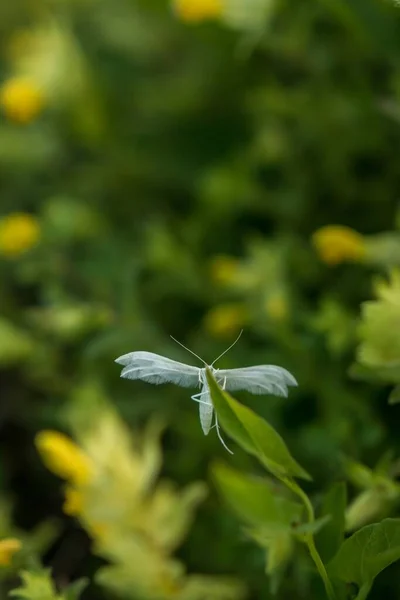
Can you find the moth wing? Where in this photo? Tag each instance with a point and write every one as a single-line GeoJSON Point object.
{"type": "Point", "coordinates": [261, 379]}
{"type": "Point", "coordinates": [157, 369]}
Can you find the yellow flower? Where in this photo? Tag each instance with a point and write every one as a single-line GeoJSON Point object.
{"type": "Point", "coordinates": [277, 307]}
{"type": "Point", "coordinates": [21, 99]}
{"type": "Point", "coordinates": [337, 243]}
{"type": "Point", "coordinates": [73, 504]}
{"type": "Point", "coordinates": [224, 269]}
{"type": "Point", "coordinates": [64, 458]}
{"type": "Point", "coordinates": [225, 319]}
{"type": "Point", "coordinates": [19, 232]}
{"type": "Point", "coordinates": [193, 11]}
{"type": "Point", "coordinates": [98, 530]}
{"type": "Point", "coordinates": [8, 547]}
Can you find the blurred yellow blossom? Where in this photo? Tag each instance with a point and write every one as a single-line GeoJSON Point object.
{"type": "Point", "coordinates": [136, 522]}
{"type": "Point", "coordinates": [21, 99]}
{"type": "Point", "coordinates": [337, 243]}
{"type": "Point", "coordinates": [8, 547]}
{"type": "Point", "coordinates": [277, 307]}
{"type": "Point", "coordinates": [193, 11]}
{"type": "Point", "coordinates": [63, 457]}
{"type": "Point", "coordinates": [73, 504]}
{"type": "Point", "coordinates": [18, 233]}
{"type": "Point", "coordinates": [225, 319]}
{"type": "Point", "coordinates": [224, 269]}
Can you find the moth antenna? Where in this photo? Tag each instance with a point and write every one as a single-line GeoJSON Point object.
{"type": "Point", "coordinates": [191, 352]}
{"type": "Point", "coordinates": [227, 350]}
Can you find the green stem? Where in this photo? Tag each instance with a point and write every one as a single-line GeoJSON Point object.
{"type": "Point", "coordinates": [309, 539]}
{"type": "Point", "coordinates": [363, 591]}
{"type": "Point", "coordinates": [320, 566]}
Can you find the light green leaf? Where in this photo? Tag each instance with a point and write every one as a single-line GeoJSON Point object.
{"type": "Point", "coordinates": [253, 500]}
{"type": "Point", "coordinates": [359, 475]}
{"type": "Point", "coordinates": [254, 434]}
{"type": "Point", "coordinates": [366, 553]}
{"type": "Point", "coordinates": [228, 419]}
{"type": "Point", "coordinates": [198, 587]}
{"type": "Point", "coordinates": [331, 537]}
{"type": "Point", "coordinates": [279, 546]}
{"type": "Point", "coordinates": [36, 585]}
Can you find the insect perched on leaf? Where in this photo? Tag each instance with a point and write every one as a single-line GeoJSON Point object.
{"type": "Point", "coordinates": [153, 368]}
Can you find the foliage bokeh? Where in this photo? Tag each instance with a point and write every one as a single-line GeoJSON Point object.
{"type": "Point", "coordinates": [192, 169]}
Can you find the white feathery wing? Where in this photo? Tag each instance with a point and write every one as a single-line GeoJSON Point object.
{"type": "Point", "coordinates": [261, 379]}
{"type": "Point", "coordinates": [157, 369]}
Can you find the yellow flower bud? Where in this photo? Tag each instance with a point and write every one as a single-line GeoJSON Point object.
{"type": "Point", "coordinates": [21, 99]}
{"type": "Point", "coordinates": [225, 320]}
{"type": "Point", "coordinates": [336, 244]}
{"type": "Point", "coordinates": [63, 457]}
{"type": "Point", "coordinates": [19, 232]}
{"type": "Point", "coordinates": [8, 547]}
{"type": "Point", "coordinates": [193, 11]}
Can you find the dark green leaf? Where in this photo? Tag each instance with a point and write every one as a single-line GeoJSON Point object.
{"type": "Point", "coordinates": [394, 396]}
{"type": "Point", "coordinates": [330, 538]}
{"type": "Point", "coordinates": [74, 591]}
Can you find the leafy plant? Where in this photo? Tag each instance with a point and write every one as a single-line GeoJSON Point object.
{"type": "Point", "coordinates": [275, 521]}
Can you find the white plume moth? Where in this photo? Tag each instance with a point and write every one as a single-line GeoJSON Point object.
{"type": "Point", "coordinates": [153, 368]}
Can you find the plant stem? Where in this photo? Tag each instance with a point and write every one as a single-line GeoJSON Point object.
{"type": "Point", "coordinates": [363, 591]}
{"type": "Point", "coordinates": [309, 539]}
{"type": "Point", "coordinates": [320, 566]}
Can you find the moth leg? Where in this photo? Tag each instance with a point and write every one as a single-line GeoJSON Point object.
{"type": "Point", "coordinates": [219, 435]}
{"type": "Point", "coordinates": [197, 399]}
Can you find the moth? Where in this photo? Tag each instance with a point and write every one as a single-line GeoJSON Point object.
{"type": "Point", "coordinates": [156, 369]}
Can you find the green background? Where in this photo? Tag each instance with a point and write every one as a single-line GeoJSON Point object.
{"type": "Point", "coordinates": [188, 142]}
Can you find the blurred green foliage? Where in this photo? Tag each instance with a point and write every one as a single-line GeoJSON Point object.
{"type": "Point", "coordinates": [171, 174]}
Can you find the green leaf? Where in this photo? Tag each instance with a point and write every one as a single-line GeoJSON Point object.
{"type": "Point", "coordinates": [394, 396]}
{"type": "Point", "coordinates": [359, 475]}
{"type": "Point", "coordinates": [312, 527]}
{"type": "Point", "coordinates": [366, 553]}
{"type": "Point", "coordinates": [74, 591]}
{"type": "Point", "coordinates": [36, 585]}
{"type": "Point", "coordinates": [331, 537]}
{"type": "Point", "coordinates": [254, 434]}
{"type": "Point", "coordinates": [253, 500]}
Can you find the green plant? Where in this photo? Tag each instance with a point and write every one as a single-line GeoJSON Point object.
{"type": "Point", "coordinates": [276, 521]}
